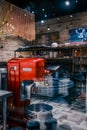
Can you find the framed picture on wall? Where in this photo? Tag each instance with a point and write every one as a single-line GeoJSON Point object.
{"type": "Point", "coordinates": [78, 35]}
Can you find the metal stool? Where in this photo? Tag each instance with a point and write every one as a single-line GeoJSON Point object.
{"type": "Point", "coordinates": [51, 124]}
{"type": "Point", "coordinates": [33, 125]}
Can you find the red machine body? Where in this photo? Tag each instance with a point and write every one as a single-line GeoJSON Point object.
{"type": "Point", "coordinates": [19, 71]}
{"type": "Point", "coordinates": [27, 68]}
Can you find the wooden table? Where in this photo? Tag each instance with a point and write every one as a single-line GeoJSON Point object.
{"type": "Point", "coordinates": [3, 96]}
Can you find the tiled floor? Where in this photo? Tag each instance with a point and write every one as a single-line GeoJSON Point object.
{"type": "Point", "coordinates": [67, 119]}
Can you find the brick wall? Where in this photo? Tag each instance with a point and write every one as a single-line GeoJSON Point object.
{"type": "Point", "coordinates": [62, 25]}
{"type": "Point", "coordinates": [9, 45]}
{"type": "Point", "coordinates": [17, 29]}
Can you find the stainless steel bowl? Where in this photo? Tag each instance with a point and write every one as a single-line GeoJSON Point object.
{"type": "Point", "coordinates": [39, 111]}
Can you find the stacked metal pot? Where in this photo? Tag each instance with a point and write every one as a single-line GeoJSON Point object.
{"type": "Point", "coordinates": [41, 113]}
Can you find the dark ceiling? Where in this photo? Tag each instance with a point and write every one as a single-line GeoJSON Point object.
{"type": "Point", "coordinates": [46, 9]}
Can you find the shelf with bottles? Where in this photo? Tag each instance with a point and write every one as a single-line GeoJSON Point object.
{"type": "Point", "coordinates": [45, 51]}
{"type": "Point", "coordinates": [79, 69]}
{"type": "Point", "coordinates": [76, 52]}
{"type": "Point", "coordinates": [80, 77]}
{"type": "Point", "coordinates": [72, 57]}
{"type": "Point", "coordinates": [80, 82]}
{"type": "Point", "coordinates": [55, 52]}
{"type": "Point", "coordinates": [77, 60]}
{"type": "Point", "coordinates": [80, 52]}
{"type": "Point", "coordinates": [81, 64]}
{"type": "Point", "coordinates": [80, 59]}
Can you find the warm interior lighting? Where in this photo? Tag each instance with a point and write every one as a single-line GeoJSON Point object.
{"type": "Point", "coordinates": [42, 21]}
{"type": "Point", "coordinates": [48, 28]}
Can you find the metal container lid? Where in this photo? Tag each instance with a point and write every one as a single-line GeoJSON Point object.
{"type": "Point", "coordinates": [39, 107]}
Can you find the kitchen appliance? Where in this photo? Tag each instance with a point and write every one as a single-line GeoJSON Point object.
{"type": "Point", "coordinates": [22, 75]}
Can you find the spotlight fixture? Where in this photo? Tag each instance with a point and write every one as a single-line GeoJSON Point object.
{"type": "Point", "coordinates": [48, 28]}
{"type": "Point", "coordinates": [76, 1]}
{"type": "Point", "coordinates": [42, 21]}
{"type": "Point", "coordinates": [43, 9]}
{"type": "Point", "coordinates": [32, 12]}
{"type": "Point", "coordinates": [71, 16]}
{"type": "Point", "coordinates": [45, 15]}
{"type": "Point", "coordinates": [67, 3]}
